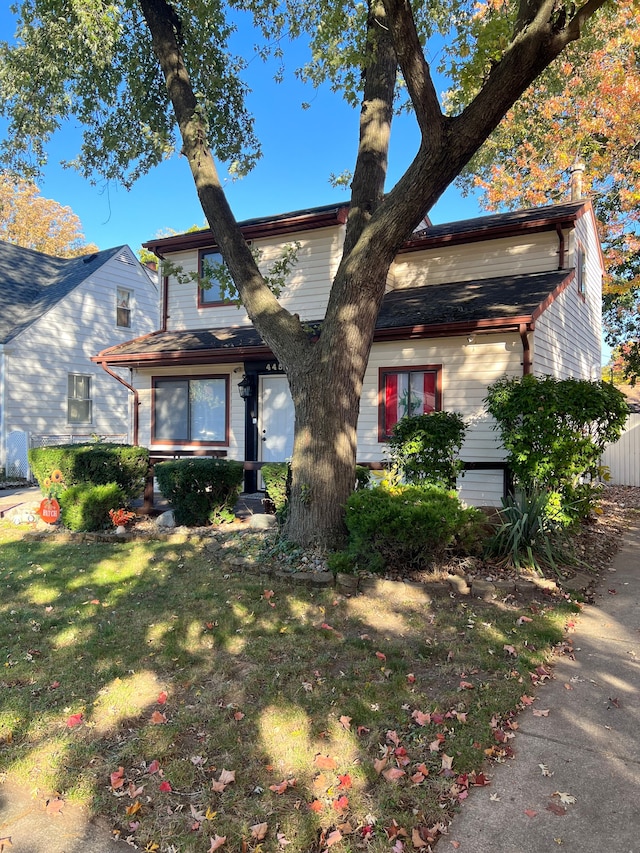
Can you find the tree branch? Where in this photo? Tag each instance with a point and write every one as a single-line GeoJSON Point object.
{"type": "Point", "coordinates": [280, 329]}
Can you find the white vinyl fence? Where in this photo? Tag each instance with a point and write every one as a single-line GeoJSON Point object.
{"type": "Point", "coordinates": [623, 457]}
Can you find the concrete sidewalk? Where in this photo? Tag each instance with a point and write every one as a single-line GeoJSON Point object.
{"type": "Point", "coordinates": [590, 742]}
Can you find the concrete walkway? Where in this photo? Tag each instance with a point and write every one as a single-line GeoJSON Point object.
{"type": "Point", "coordinates": [587, 748]}
{"type": "Point", "coordinates": [590, 742]}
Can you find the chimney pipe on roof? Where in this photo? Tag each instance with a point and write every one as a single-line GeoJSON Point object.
{"type": "Point", "coordinates": [577, 172]}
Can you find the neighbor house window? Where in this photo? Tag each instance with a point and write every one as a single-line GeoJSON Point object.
{"type": "Point", "coordinates": [190, 410]}
{"type": "Point", "coordinates": [410, 391]}
{"type": "Point", "coordinates": [78, 399]}
{"type": "Point", "coordinates": [123, 308]}
{"type": "Point", "coordinates": [581, 274]}
{"type": "Point", "coordinates": [209, 291]}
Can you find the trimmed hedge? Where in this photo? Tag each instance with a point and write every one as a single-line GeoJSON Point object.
{"type": "Point", "coordinates": [276, 476]}
{"type": "Point", "coordinates": [201, 491]}
{"type": "Point", "coordinates": [86, 507]}
{"type": "Point", "coordinates": [95, 463]}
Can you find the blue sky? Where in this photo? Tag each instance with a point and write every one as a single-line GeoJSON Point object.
{"type": "Point", "coordinates": [301, 149]}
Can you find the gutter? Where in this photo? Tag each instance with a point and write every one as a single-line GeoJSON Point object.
{"type": "Point", "coordinates": [136, 398]}
{"type": "Point", "coordinates": [526, 348]}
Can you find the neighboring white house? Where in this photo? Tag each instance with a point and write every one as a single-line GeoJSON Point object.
{"type": "Point", "coordinates": [55, 313]}
{"type": "Point", "coordinates": [467, 303]}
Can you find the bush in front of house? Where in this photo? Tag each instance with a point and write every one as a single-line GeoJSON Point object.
{"type": "Point", "coordinates": [85, 507]}
{"type": "Point", "coordinates": [201, 491]}
{"type": "Point", "coordinates": [424, 449]}
{"type": "Point", "coordinates": [277, 479]}
{"type": "Point", "coordinates": [554, 432]}
{"type": "Point", "coordinates": [95, 463]}
{"type": "Point", "coordinates": [403, 528]}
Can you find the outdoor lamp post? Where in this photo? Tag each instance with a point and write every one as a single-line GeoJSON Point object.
{"type": "Point", "coordinates": [244, 387]}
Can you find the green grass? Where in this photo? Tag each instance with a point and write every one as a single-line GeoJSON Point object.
{"type": "Point", "coordinates": [308, 697]}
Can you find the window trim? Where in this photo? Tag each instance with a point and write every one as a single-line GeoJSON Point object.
{"type": "Point", "coordinates": [383, 372]}
{"type": "Point", "coordinates": [185, 443]}
{"type": "Point", "coordinates": [71, 399]}
{"type": "Point", "coordinates": [129, 307]}
{"type": "Point", "coordinates": [202, 303]}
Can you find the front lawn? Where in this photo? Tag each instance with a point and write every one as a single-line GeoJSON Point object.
{"type": "Point", "coordinates": [188, 702]}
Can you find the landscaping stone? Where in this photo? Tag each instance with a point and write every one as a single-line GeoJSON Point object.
{"type": "Point", "coordinates": [347, 584]}
{"type": "Point", "coordinates": [483, 589]}
{"type": "Point", "coordinates": [263, 522]}
{"type": "Point", "coordinates": [167, 519]}
{"type": "Point", "coordinates": [459, 585]}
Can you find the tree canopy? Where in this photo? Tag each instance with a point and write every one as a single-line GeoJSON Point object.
{"type": "Point", "coordinates": [147, 77]}
{"type": "Point", "coordinates": [28, 219]}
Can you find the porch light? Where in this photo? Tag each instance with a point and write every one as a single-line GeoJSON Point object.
{"type": "Point", "coordinates": [244, 387]}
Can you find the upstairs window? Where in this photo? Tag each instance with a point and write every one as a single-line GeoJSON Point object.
{"type": "Point", "coordinates": [581, 269]}
{"type": "Point", "coordinates": [79, 405]}
{"type": "Point", "coordinates": [211, 294]}
{"type": "Point", "coordinates": [407, 392]}
{"type": "Point", "coordinates": [123, 308]}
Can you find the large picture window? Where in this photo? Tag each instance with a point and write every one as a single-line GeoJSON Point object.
{"type": "Point", "coordinates": [406, 392]}
{"type": "Point", "coordinates": [78, 399]}
{"type": "Point", "coordinates": [190, 410]}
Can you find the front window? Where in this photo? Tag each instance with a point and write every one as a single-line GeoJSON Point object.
{"type": "Point", "coordinates": [408, 392]}
{"type": "Point", "coordinates": [123, 308]}
{"type": "Point", "coordinates": [581, 261]}
{"type": "Point", "coordinates": [190, 410]}
{"type": "Point", "coordinates": [78, 399]}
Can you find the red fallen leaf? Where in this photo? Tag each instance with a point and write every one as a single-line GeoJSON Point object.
{"type": "Point", "coordinates": [421, 718]}
{"type": "Point", "coordinates": [165, 787]}
{"type": "Point", "coordinates": [455, 844]}
{"type": "Point", "coordinates": [195, 826]}
{"type": "Point", "coordinates": [363, 730]}
{"type": "Point", "coordinates": [153, 767]}
{"type": "Point", "coordinates": [393, 774]}
{"type": "Point", "coordinates": [238, 715]}
{"type": "Point", "coordinates": [95, 601]}
{"type": "Point", "coordinates": [422, 768]}
{"type": "Point", "coordinates": [345, 722]}
{"type": "Point", "coordinates": [54, 805]}
{"type": "Point", "coordinates": [267, 594]}
{"type": "Point", "coordinates": [556, 809]}
{"type": "Point", "coordinates": [411, 678]}
{"type": "Point", "coordinates": [341, 804]}
{"type": "Point", "coordinates": [74, 720]}
{"type": "Point", "coordinates": [381, 656]}
{"type": "Point", "coordinates": [417, 778]}
{"type": "Point", "coordinates": [157, 719]}
{"type": "Point", "coordinates": [392, 735]}
{"type": "Point", "coordinates": [345, 781]}
{"type": "Point", "coordinates": [530, 812]}
{"type": "Point", "coordinates": [480, 780]}
{"type": "Point", "coordinates": [394, 830]}
{"type": "Point", "coordinates": [436, 718]}
{"type": "Point", "coordinates": [316, 806]}
{"type": "Point", "coordinates": [54, 685]}
{"type": "Point", "coordinates": [162, 697]}
{"type": "Point", "coordinates": [325, 762]}
{"type": "Point", "coordinates": [281, 787]}
{"type": "Point", "coordinates": [135, 792]}
{"type": "Point", "coordinates": [401, 756]}
{"type": "Point", "coordinates": [526, 700]}
{"type": "Point", "coordinates": [523, 619]}
{"type": "Point", "coordinates": [117, 778]}
{"type": "Point", "coordinates": [466, 685]}
{"type": "Point", "coordinates": [333, 838]}
{"type": "Point", "coordinates": [612, 591]}
{"type": "Point", "coordinates": [327, 627]}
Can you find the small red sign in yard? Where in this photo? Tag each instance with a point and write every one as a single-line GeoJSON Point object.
{"type": "Point", "coordinates": [49, 510]}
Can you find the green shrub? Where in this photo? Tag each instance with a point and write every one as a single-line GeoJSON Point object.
{"type": "Point", "coordinates": [93, 463]}
{"type": "Point", "coordinates": [86, 507]}
{"type": "Point", "coordinates": [525, 536]}
{"type": "Point", "coordinates": [403, 528]}
{"type": "Point", "coordinates": [554, 432]}
{"type": "Point", "coordinates": [277, 477]}
{"type": "Point", "coordinates": [363, 477]}
{"type": "Point", "coordinates": [424, 448]}
{"type": "Point", "coordinates": [200, 490]}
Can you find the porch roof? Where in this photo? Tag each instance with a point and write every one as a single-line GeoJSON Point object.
{"type": "Point", "coordinates": [458, 308]}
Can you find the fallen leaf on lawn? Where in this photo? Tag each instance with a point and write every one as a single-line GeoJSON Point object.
{"type": "Point", "coordinates": [363, 730]}
{"type": "Point", "coordinates": [216, 842]}
{"type": "Point", "coordinates": [259, 830]}
{"type": "Point", "coordinates": [197, 760]}
{"type": "Point", "coordinates": [227, 776]}
{"type": "Point", "coordinates": [511, 650]}
{"type": "Point", "coordinates": [135, 792]}
{"type": "Point", "coordinates": [162, 697]}
{"type": "Point", "coordinates": [393, 774]}
{"type": "Point", "coordinates": [341, 804]}
{"type": "Point", "coordinates": [418, 778]}
{"type": "Point", "coordinates": [422, 768]}
{"type": "Point", "coordinates": [316, 806]}
{"type": "Point", "coordinates": [74, 720]}
{"type": "Point", "coordinates": [447, 761]}
{"type": "Point", "coordinates": [466, 685]}
{"type": "Point", "coordinates": [421, 718]}
{"type": "Point", "coordinates": [435, 745]}
{"type": "Point", "coordinates": [527, 700]}
{"type": "Point", "coordinates": [345, 722]}
{"type": "Point", "coordinates": [54, 685]}
{"type": "Point", "coordinates": [281, 787]}
{"type": "Point", "coordinates": [530, 812]}
{"type": "Point", "coordinates": [134, 808]}
{"type": "Point", "coordinates": [157, 719]}
{"type": "Point", "coordinates": [381, 655]}
{"type": "Point", "coordinates": [392, 735]}
{"type": "Point", "coordinates": [218, 787]}
{"type": "Point", "coordinates": [282, 841]}
{"type": "Point", "coordinates": [538, 712]}
{"type": "Point", "coordinates": [523, 619]}
{"type": "Point", "coordinates": [325, 762]}
{"type": "Point", "coordinates": [165, 787]}
{"type": "Point", "coordinates": [411, 678]}
{"type": "Point", "coordinates": [238, 715]}
{"type": "Point", "coordinates": [556, 809]}
{"type": "Point", "coordinates": [267, 594]}
{"type": "Point", "coordinates": [117, 778]}
{"type": "Point", "coordinates": [416, 839]}
{"type": "Point", "coordinates": [567, 799]}
{"type": "Point", "coordinates": [380, 763]}
{"type": "Point", "coordinates": [153, 767]}
{"type": "Point", "coordinates": [345, 781]}
{"type": "Point", "coordinates": [333, 838]}
{"type": "Point", "coordinates": [327, 627]}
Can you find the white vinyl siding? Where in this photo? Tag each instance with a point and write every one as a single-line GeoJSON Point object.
{"type": "Point", "coordinates": [306, 292]}
{"type": "Point", "coordinates": [38, 361]}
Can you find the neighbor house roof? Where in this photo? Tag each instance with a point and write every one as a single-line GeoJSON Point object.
{"type": "Point", "coordinates": [31, 283]}
{"type": "Point", "coordinates": [504, 302]}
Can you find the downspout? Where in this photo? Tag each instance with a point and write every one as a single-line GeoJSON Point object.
{"type": "Point", "coordinates": [560, 234]}
{"type": "Point", "coordinates": [526, 350]}
{"type": "Point", "coordinates": [136, 399]}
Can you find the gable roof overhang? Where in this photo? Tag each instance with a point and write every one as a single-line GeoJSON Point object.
{"type": "Point", "coordinates": [499, 305]}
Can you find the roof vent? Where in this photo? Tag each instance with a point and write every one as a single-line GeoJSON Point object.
{"type": "Point", "coordinates": [88, 258]}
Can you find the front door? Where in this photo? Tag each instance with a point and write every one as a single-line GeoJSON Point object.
{"type": "Point", "coordinates": [276, 419]}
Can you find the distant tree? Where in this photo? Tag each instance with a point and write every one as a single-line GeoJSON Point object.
{"type": "Point", "coordinates": [132, 72]}
{"type": "Point", "coordinates": [29, 220]}
{"type": "Point", "coordinates": [586, 106]}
